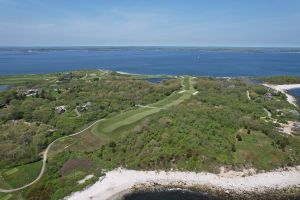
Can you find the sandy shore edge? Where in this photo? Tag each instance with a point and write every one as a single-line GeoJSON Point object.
{"type": "Point", "coordinates": [120, 181]}
{"type": "Point", "coordinates": [284, 88]}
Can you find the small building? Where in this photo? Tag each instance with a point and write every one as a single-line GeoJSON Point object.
{"type": "Point", "coordinates": [31, 92]}
{"type": "Point", "coordinates": [60, 109]}
{"type": "Point", "coordinates": [28, 92]}
{"type": "Point", "coordinates": [296, 128]}
{"type": "Point", "coordinates": [2, 105]}
{"type": "Point", "coordinates": [52, 130]}
{"type": "Point", "coordinates": [268, 96]}
{"type": "Point", "coordinates": [294, 112]}
{"type": "Point", "coordinates": [232, 86]}
{"type": "Point", "coordinates": [86, 106]}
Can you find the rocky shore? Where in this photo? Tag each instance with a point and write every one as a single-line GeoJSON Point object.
{"type": "Point", "coordinates": [278, 184]}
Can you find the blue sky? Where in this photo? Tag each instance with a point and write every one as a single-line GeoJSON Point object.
{"type": "Point", "coordinates": [150, 22]}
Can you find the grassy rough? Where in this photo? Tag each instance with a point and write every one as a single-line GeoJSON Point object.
{"type": "Point", "coordinates": [21, 175]}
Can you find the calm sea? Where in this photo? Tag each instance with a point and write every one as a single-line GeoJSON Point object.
{"type": "Point", "coordinates": [154, 60]}
{"type": "Point", "coordinates": [296, 94]}
{"type": "Point", "coordinates": [170, 195]}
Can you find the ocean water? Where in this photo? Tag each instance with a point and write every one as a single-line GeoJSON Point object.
{"type": "Point", "coordinates": [3, 88]}
{"type": "Point", "coordinates": [296, 94]}
{"type": "Point", "coordinates": [154, 60]}
{"type": "Point", "coordinates": [170, 195]}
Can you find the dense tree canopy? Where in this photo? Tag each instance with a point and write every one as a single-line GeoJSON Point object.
{"type": "Point", "coordinates": [37, 118]}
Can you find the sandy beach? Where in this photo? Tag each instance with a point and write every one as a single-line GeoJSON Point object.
{"type": "Point", "coordinates": [120, 181]}
{"type": "Point", "coordinates": [283, 88]}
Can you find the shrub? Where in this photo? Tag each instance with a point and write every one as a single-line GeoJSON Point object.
{"type": "Point", "coordinates": [233, 148]}
{"type": "Point", "coordinates": [239, 137]}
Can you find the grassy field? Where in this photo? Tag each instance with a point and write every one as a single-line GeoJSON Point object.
{"type": "Point", "coordinates": [9, 80]}
{"type": "Point", "coordinates": [105, 130]}
{"type": "Point", "coordinates": [90, 74]}
{"type": "Point", "coordinates": [109, 126]}
{"type": "Point", "coordinates": [184, 131]}
{"type": "Point", "coordinates": [19, 176]}
{"type": "Point", "coordinates": [256, 148]}
{"type": "Point", "coordinates": [216, 127]}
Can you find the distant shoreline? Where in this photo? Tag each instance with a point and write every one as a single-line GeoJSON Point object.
{"type": "Point", "coordinates": [141, 74]}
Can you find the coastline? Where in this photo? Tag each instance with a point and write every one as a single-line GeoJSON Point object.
{"type": "Point", "coordinates": [126, 73]}
{"type": "Point", "coordinates": [283, 89]}
{"type": "Point", "coordinates": [119, 182]}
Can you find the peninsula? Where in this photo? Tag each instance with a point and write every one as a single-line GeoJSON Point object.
{"type": "Point", "coordinates": [102, 134]}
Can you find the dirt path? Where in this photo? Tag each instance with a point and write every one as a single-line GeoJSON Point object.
{"type": "Point", "coordinates": [248, 95]}
{"type": "Point", "coordinates": [45, 153]}
{"type": "Point", "coordinates": [141, 106]}
{"type": "Point", "coordinates": [45, 156]}
{"type": "Point", "coordinates": [269, 114]}
{"type": "Point", "coordinates": [77, 112]}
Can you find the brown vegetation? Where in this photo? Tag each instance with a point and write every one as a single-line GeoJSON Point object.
{"type": "Point", "coordinates": [72, 164]}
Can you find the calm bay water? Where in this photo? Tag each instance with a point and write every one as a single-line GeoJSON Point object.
{"type": "Point", "coordinates": [296, 94]}
{"type": "Point", "coordinates": [170, 195]}
{"type": "Point", "coordinates": [3, 87]}
{"type": "Point", "coordinates": [153, 60]}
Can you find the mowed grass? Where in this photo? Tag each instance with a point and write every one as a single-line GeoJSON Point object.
{"type": "Point", "coordinates": [187, 82]}
{"type": "Point", "coordinates": [257, 148]}
{"type": "Point", "coordinates": [21, 175]}
{"type": "Point", "coordinates": [115, 125]}
{"type": "Point", "coordinates": [124, 119]}
{"type": "Point", "coordinates": [11, 196]}
{"type": "Point", "coordinates": [7, 80]}
{"type": "Point", "coordinates": [5, 196]}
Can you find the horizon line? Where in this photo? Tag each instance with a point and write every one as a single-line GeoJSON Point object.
{"type": "Point", "coordinates": [161, 46]}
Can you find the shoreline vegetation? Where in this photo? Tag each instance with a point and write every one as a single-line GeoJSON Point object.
{"type": "Point", "coordinates": [232, 114]}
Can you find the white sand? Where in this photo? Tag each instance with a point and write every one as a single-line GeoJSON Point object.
{"type": "Point", "coordinates": [126, 73]}
{"type": "Point", "coordinates": [248, 95]}
{"type": "Point", "coordinates": [85, 179]}
{"type": "Point", "coordinates": [120, 181]}
{"type": "Point", "coordinates": [287, 128]}
{"type": "Point", "coordinates": [283, 88]}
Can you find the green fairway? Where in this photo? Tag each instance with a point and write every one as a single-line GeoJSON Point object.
{"type": "Point", "coordinates": [106, 129]}
{"type": "Point", "coordinates": [132, 116]}
{"type": "Point", "coordinates": [18, 176]}
{"type": "Point", "coordinates": [24, 78]}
